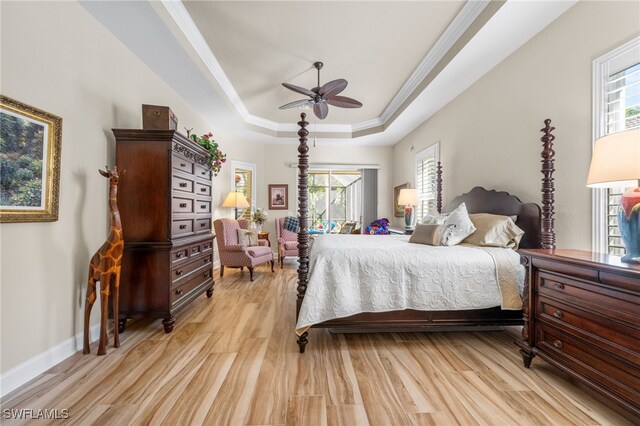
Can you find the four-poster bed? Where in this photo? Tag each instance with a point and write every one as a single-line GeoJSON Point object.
{"type": "Point", "coordinates": [535, 222]}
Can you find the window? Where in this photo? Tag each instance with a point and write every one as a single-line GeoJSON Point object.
{"type": "Point", "coordinates": [426, 162]}
{"type": "Point", "coordinates": [335, 197]}
{"type": "Point", "coordinates": [244, 181]}
{"type": "Point", "coordinates": [616, 107]}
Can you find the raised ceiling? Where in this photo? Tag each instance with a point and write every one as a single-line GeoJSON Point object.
{"type": "Point", "coordinates": [376, 46]}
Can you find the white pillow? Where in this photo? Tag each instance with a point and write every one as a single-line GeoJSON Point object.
{"type": "Point", "coordinates": [463, 225]}
{"type": "Point", "coordinates": [434, 218]}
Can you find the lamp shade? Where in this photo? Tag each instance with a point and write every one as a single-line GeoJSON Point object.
{"type": "Point", "coordinates": [236, 200]}
{"type": "Point", "coordinates": [408, 197]}
{"type": "Point", "coordinates": [616, 160]}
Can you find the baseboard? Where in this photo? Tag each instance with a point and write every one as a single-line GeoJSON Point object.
{"type": "Point", "coordinates": [28, 370]}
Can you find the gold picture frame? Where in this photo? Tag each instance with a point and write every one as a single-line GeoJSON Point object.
{"type": "Point", "coordinates": [398, 210]}
{"type": "Point", "coordinates": [30, 162]}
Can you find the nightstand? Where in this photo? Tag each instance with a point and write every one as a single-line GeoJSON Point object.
{"type": "Point", "coordinates": [582, 315]}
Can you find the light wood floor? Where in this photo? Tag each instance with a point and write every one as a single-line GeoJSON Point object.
{"type": "Point", "coordinates": [233, 360]}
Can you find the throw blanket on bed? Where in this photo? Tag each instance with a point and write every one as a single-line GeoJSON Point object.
{"type": "Point", "coordinates": [351, 274]}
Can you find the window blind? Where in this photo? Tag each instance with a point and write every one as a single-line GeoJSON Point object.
{"type": "Point", "coordinates": [426, 162]}
{"type": "Point", "coordinates": [622, 92]}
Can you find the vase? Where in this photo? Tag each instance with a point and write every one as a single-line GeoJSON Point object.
{"type": "Point", "coordinates": [258, 227]}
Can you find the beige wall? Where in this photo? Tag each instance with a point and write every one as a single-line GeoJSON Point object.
{"type": "Point", "coordinates": [71, 66]}
{"type": "Point", "coordinates": [489, 135]}
{"type": "Point", "coordinates": [277, 158]}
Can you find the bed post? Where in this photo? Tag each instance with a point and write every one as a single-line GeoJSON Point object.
{"type": "Point", "coordinates": [439, 187]}
{"type": "Point", "coordinates": [303, 234]}
{"type": "Point", "coordinates": [548, 235]}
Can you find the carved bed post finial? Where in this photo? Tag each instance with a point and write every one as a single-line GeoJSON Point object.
{"type": "Point", "coordinates": [548, 235]}
{"type": "Point", "coordinates": [303, 234]}
{"type": "Point", "coordinates": [439, 187]}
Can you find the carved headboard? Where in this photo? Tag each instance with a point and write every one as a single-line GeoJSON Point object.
{"type": "Point", "coordinates": [480, 200]}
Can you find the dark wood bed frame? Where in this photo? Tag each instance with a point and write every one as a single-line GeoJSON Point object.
{"type": "Point", "coordinates": [537, 224]}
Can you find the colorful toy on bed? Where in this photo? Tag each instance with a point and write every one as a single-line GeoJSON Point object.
{"type": "Point", "coordinates": [378, 227]}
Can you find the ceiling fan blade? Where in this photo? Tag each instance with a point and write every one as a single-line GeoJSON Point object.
{"type": "Point", "coordinates": [343, 102]}
{"type": "Point", "coordinates": [299, 89]}
{"type": "Point", "coordinates": [332, 88]}
{"type": "Point", "coordinates": [296, 104]}
{"type": "Point", "coordinates": [321, 109]}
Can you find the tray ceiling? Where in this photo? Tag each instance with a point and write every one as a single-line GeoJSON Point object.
{"type": "Point", "coordinates": [376, 46]}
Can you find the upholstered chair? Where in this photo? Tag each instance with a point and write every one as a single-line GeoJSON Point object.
{"type": "Point", "coordinates": [287, 241]}
{"type": "Point", "coordinates": [235, 255]}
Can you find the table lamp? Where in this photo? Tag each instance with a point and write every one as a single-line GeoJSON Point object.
{"type": "Point", "coordinates": [408, 198]}
{"type": "Point", "coordinates": [236, 200]}
{"type": "Point", "coordinates": [616, 164]}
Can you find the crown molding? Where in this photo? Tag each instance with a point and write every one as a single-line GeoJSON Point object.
{"type": "Point", "coordinates": [463, 20]}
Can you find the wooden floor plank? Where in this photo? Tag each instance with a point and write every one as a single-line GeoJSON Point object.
{"type": "Point", "coordinates": [233, 360]}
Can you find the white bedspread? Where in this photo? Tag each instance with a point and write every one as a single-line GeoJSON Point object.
{"type": "Point", "coordinates": [351, 274]}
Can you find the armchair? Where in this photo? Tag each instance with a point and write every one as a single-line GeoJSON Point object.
{"type": "Point", "coordinates": [287, 242]}
{"type": "Point", "coordinates": [234, 255]}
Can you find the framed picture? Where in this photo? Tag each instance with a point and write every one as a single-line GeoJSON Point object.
{"type": "Point", "coordinates": [30, 141]}
{"type": "Point", "coordinates": [279, 197]}
{"type": "Point", "coordinates": [398, 210]}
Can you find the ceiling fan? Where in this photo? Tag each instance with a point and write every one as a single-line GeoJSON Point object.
{"type": "Point", "coordinates": [321, 96]}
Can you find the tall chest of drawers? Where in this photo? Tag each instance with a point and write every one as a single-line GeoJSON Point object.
{"type": "Point", "coordinates": [164, 200]}
{"type": "Point", "coordinates": [582, 314]}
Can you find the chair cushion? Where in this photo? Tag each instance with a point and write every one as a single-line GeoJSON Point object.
{"type": "Point", "coordinates": [290, 245]}
{"type": "Point", "coordinates": [259, 251]}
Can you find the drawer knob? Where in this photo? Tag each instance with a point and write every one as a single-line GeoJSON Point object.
{"type": "Point", "coordinates": [183, 165]}
{"type": "Point", "coordinates": [195, 251]}
{"type": "Point", "coordinates": [183, 205]}
{"type": "Point", "coordinates": [178, 292]}
{"type": "Point", "coordinates": [179, 272]}
{"type": "Point", "coordinates": [204, 173]}
{"type": "Point", "coordinates": [203, 206]}
{"type": "Point", "coordinates": [179, 255]}
{"type": "Point", "coordinates": [558, 314]}
{"type": "Point", "coordinates": [207, 274]}
{"type": "Point", "coordinates": [559, 286]}
{"type": "Point", "coordinates": [203, 224]}
{"type": "Point", "coordinates": [207, 246]}
{"type": "Point", "coordinates": [203, 189]}
{"type": "Point", "coordinates": [183, 226]}
{"type": "Point", "coordinates": [207, 260]}
{"type": "Point", "coordinates": [558, 344]}
{"type": "Point", "coordinates": [183, 184]}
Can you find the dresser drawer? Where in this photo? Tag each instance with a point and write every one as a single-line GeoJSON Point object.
{"type": "Point", "coordinates": [203, 225]}
{"type": "Point", "coordinates": [181, 205]}
{"type": "Point", "coordinates": [181, 164]}
{"type": "Point", "coordinates": [607, 301]}
{"type": "Point", "coordinates": [182, 272]}
{"type": "Point", "coordinates": [189, 286]}
{"type": "Point", "coordinates": [608, 372]}
{"type": "Point", "coordinates": [180, 255]}
{"type": "Point", "coordinates": [203, 190]}
{"type": "Point", "coordinates": [206, 246]}
{"type": "Point", "coordinates": [182, 184]}
{"type": "Point", "coordinates": [195, 250]}
{"type": "Point", "coordinates": [203, 207]}
{"type": "Point", "coordinates": [609, 334]}
{"type": "Point", "coordinates": [181, 227]}
{"type": "Point", "coordinates": [203, 172]}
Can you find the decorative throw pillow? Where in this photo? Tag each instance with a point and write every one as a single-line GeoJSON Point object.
{"type": "Point", "coordinates": [434, 218]}
{"type": "Point", "coordinates": [432, 235]}
{"type": "Point", "coordinates": [247, 237]}
{"type": "Point", "coordinates": [292, 224]}
{"type": "Point", "coordinates": [494, 230]}
{"type": "Point", "coordinates": [463, 225]}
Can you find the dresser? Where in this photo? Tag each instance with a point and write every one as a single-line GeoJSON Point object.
{"type": "Point", "coordinates": [582, 314]}
{"type": "Point", "coordinates": [165, 207]}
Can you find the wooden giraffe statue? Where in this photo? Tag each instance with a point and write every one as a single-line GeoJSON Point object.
{"type": "Point", "coordinates": [105, 267]}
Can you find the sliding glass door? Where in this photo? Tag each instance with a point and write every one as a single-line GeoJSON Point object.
{"type": "Point", "coordinates": [335, 198]}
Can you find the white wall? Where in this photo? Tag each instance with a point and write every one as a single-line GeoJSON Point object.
{"type": "Point", "coordinates": [277, 158]}
{"type": "Point", "coordinates": [72, 67]}
{"type": "Point", "coordinates": [489, 135]}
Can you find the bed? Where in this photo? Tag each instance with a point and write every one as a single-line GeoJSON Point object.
{"type": "Point", "coordinates": [360, 301]}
